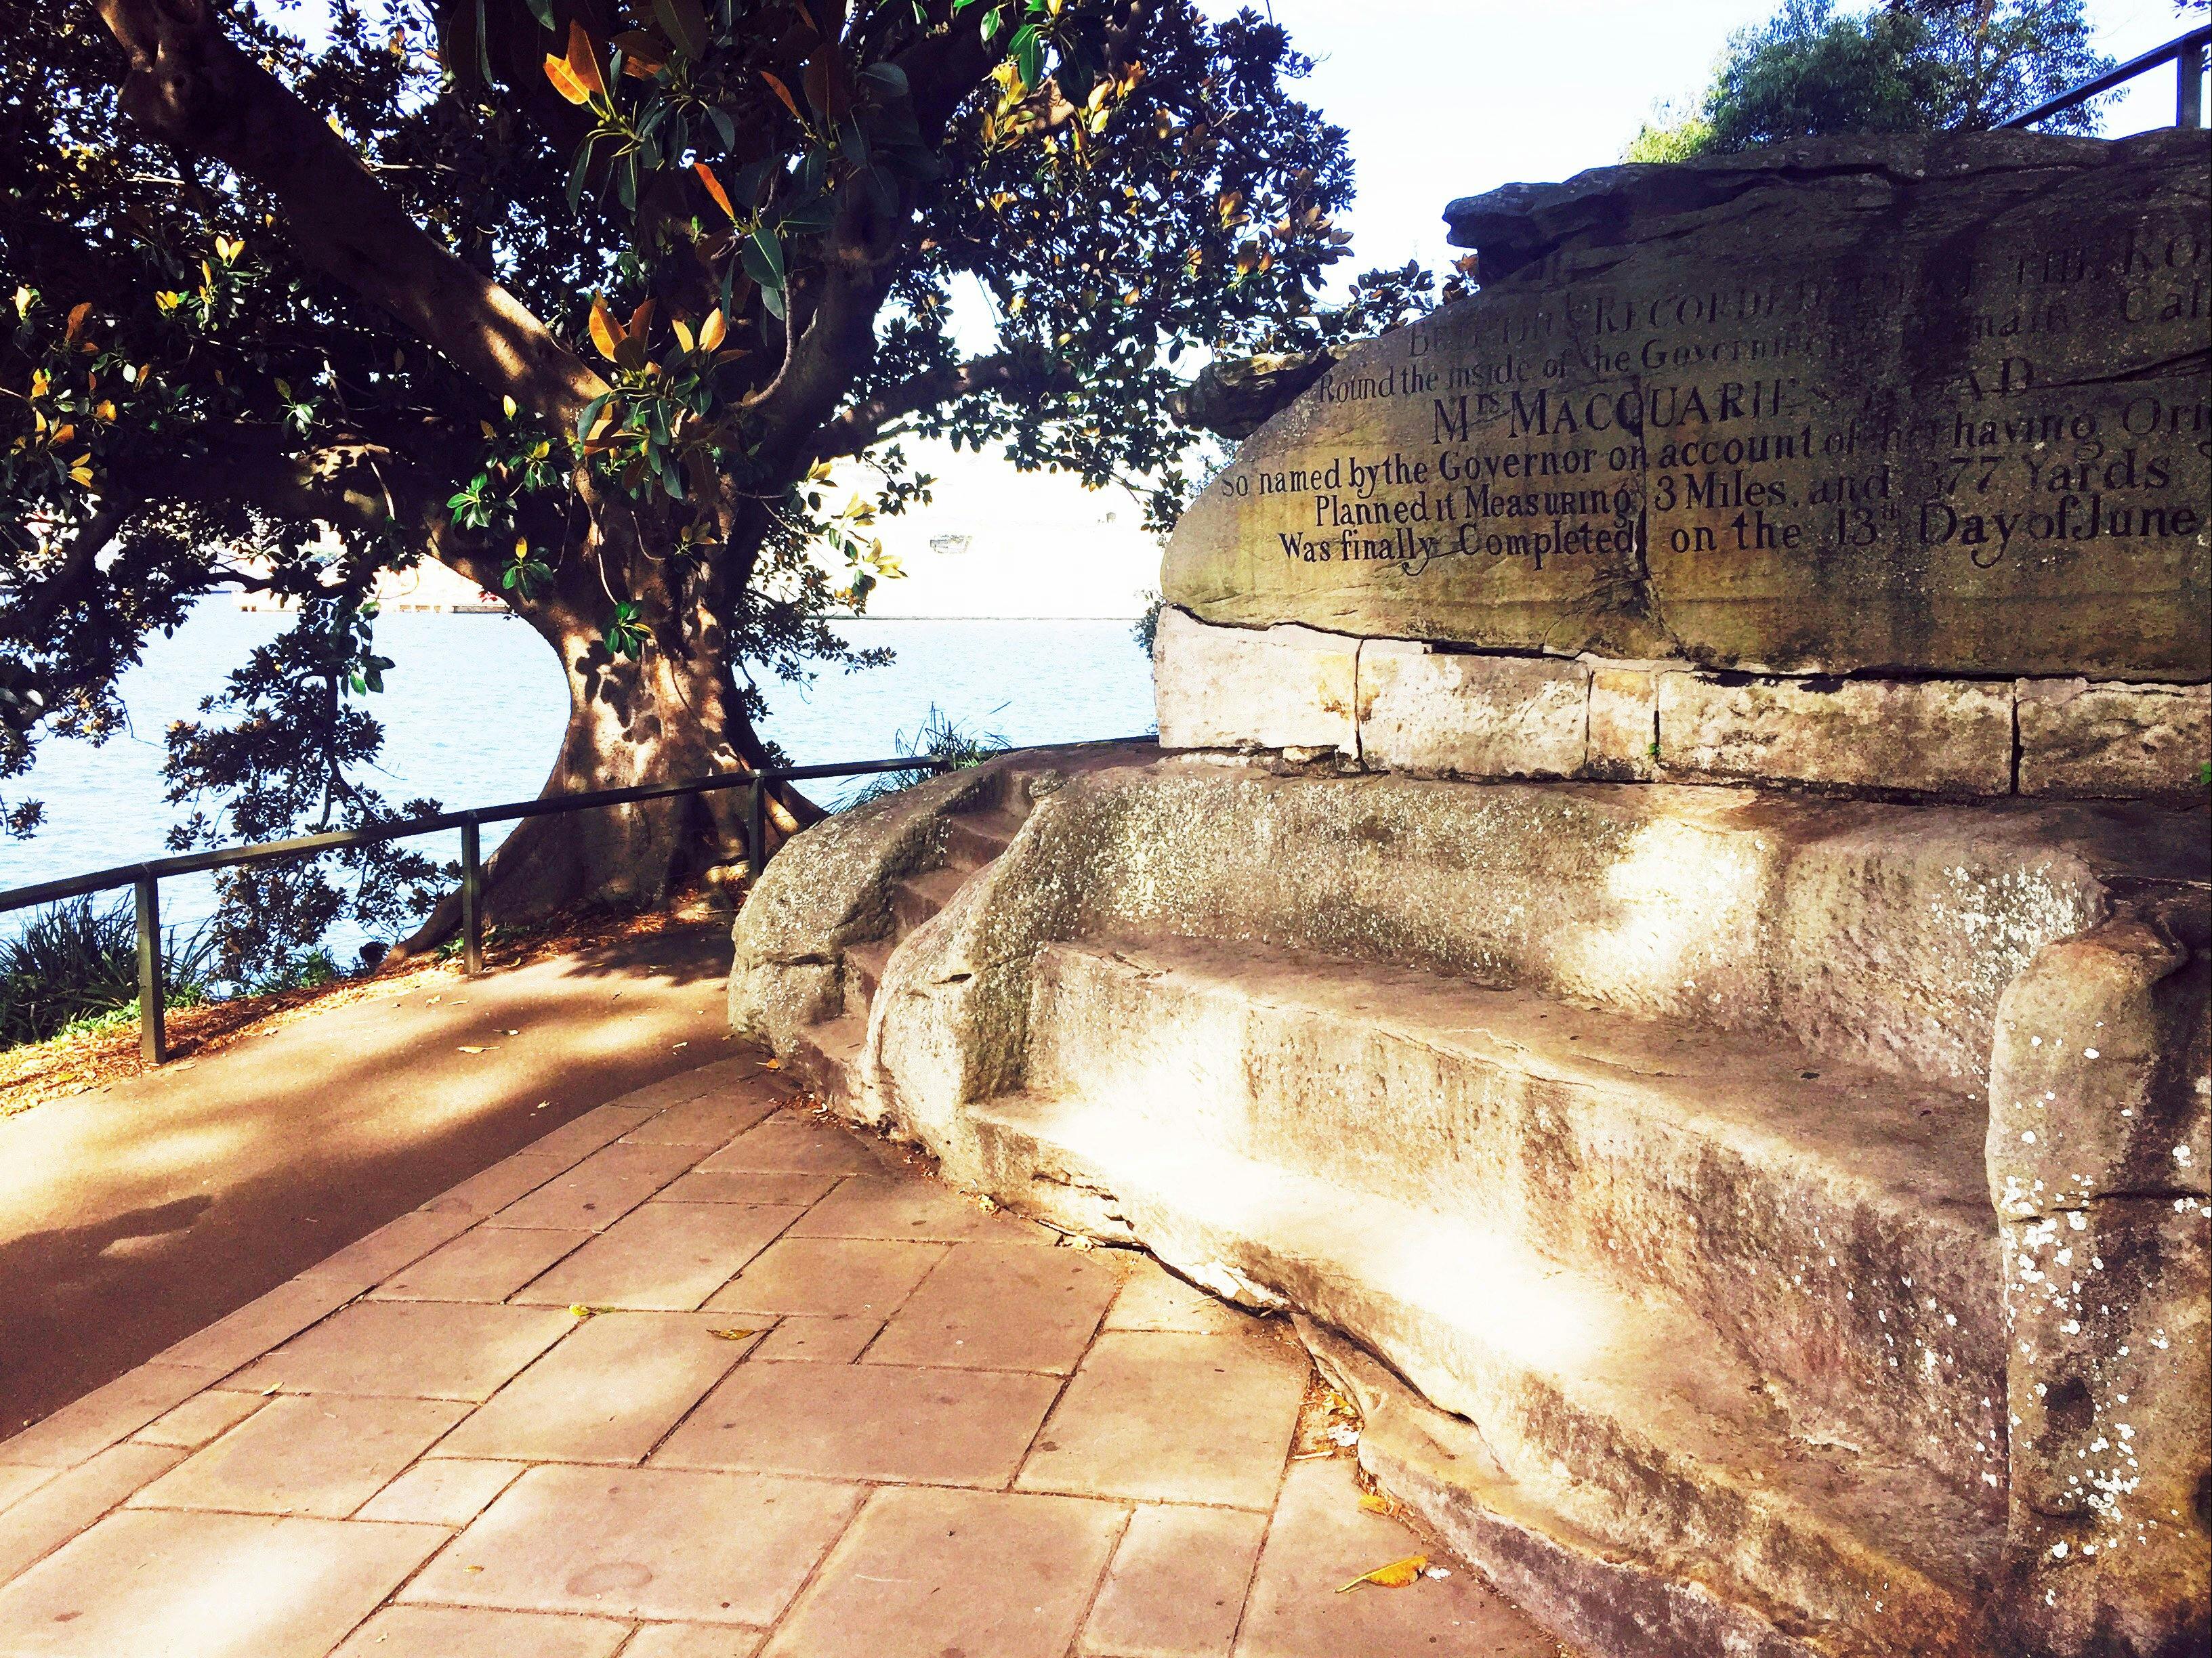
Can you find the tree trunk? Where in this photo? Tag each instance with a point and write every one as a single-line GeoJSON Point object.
{"type": "Point", "coordinates": [668, 715]}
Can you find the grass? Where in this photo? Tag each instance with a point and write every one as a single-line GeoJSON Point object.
{"type": "Point", "coordinates": [73, 968]}
{"type": "Point", "coordinates": [939, 737]}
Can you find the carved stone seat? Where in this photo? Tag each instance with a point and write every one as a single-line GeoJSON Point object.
{"type": "Point", "coordinates": [1646, 1132]}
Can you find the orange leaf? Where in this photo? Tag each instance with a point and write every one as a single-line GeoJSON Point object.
{"type": "Point", "coordinates": [606, 332]}
{"type": "Point", "coordinates": [584, 58]}
{"type": "Point", "coordinates": [711, 330]}
{"type": "Point", "coordinates": [714, 189]}
{"type": "Point", "coordinates": [783, 92]}
{"type": "Point", "coordinates": [564, 80]}
{"type": "Point", "coordinates": [640, 320]}
{"type": "Point", "coordinates": [1398, 1575]}
{"type": "Point", "coordinates": [77, 316]}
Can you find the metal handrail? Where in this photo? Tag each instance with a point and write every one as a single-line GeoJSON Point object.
{"type": "Point", "coordinates": [145, 878]}
{"type": "Point", "coordinates": [2185, 51]}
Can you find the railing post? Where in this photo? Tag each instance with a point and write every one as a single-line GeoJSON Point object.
{"type": "Point", "coordinates": [153, 1022]}
{"type": "Point", "coordinates": [471, 899]}
{"type": "Point", "coordinates": [2188, 95]}
{"type": "Point", "coordinates": [755, 831]}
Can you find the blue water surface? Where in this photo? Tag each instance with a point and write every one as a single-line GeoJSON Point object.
{"type": "Point", "coordinates": [473, 713]}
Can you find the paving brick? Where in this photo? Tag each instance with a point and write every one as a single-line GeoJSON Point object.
{"type": "Point", "coordinates": [667, 1256]}
{"type": "Point", "coordinates": [63, 1505]}
{"type": "Point", "coordinates": [789, 1144]}
{"type": "Point", "coordinates": [147, 1582]}
{"type": "Point", "coordinates": [712, 1120]}
{"type": "Point", "coordinates": [693, 1641]}
{"type": "Point", "coordinates": [865, 1422]}
{"type": "Point", "coordinates": [576, 1140]}
{"type": "Point", "coordinates": [373, 1258]}
{"type": "Point", "coordinates": [915, 1211]}
{"type": "Point", "coordinates": [724, 1076]}
{"type": "Point", "coordinates": [863, 1277]}
{"type": "Point", "coordinates": [1007, 1576]}
{"type": "Point", "coordinates": [502, 1183]}
{"type": "Point", "coordinates": [416, 1349]}
{"type": "Point", "coordinates": [1177, 1586]}
{"type": "Point", "coordinates": [1153, 1299]}
{"type": "Point", "coordinates": [598, 1191]}
{"type": "Point", "coordinates": [608, 1394]}
{"type": "Point", "coordinates": [1173, 1418]}
{"type": "Point", "coordinates": [1321, 1540]}
{"type": "Point", "coordinates": [657, 1543]}
{"type": "Point", "coordinates": [323, 1455]}
{"type": "Point", "coordinates": [1001, 1307]}
{"type": "Point", "coordinates": [835, 1340]}
{"type": "Point", "coordinates": [737, 1186]}
{"type": "Point", "coordinates": [480, 1633]}
{"type": "Point", "coordinates": [19, 1480]}
{"type": "Point", "coordinates": [86, 1426]}
{"type": "Point", "coordinates": [441, 1492]}
{"type": "Point", "coordinates": [200, 1418]}
{"type": "Point", "coordinates": [486, 1263]}
{"type": "Point", "coordinates": [243, 1336]}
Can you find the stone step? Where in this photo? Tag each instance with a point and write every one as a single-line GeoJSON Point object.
{"type": "Point", "coordinates": [1828, 1225]}
{"type": "Point", "coordinates": [974, 839]}
{"type": "Point", "coordinates": [917, 897]}
{"type": "Point", "coordinates": [1685, 1464]}
{"type": "Point", "coordinates": [864, 972]}
{"type": "Point", "coordinates": [825, 1058]}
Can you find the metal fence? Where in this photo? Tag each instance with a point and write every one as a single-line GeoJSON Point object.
{"type": "Point", "coordinates": [2186, 52]}
{"type": "Point", "coordinates": [145, 880]}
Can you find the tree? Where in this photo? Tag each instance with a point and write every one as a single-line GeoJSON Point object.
{"type": "Point", "coordinates": [587, 304]}
{"type": "Point", "coordinates": [1927, 66]}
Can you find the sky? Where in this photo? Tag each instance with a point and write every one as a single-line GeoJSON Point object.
{"type": "Point", "coordinates": [1442, 98]}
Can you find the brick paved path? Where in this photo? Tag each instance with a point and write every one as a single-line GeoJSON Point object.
{"type": "Point", "coordinates": [819, 1407]}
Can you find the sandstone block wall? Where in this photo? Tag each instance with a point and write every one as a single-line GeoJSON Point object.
{"type": "Point", "coordinates": [1396, 705]}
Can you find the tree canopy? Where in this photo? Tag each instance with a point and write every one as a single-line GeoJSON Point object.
{"type": "Point", "coordinates": [588, 299]}
{"type": "Point", "coordinates": [1910, 66]}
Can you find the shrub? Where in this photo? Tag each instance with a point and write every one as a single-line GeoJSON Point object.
{"type": "Point", "coordinates": [75, 965]}
{"type": "Point", "coordinates": [940, 737]}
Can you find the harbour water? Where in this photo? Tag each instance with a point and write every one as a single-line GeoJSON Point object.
{"type": "Point", "coordinates": [474, 709]}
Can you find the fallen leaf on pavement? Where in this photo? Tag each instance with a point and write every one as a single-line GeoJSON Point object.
{"type": "Point", "coordinates": [731, 1335]}
{"type": "Point", "coordinates": [1374, 1503]}
{"type": "Point", "coordinates": [1396, 1576]}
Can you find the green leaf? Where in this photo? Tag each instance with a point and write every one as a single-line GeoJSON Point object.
{"type": "Point", "coordinates": [685, 24]}
{"type": "Point", "coordinates": [771, 251]}
{"type": "Point", "coordinates": [1027, 49]}
{"type": "Point", "coordinates": [542, 11]}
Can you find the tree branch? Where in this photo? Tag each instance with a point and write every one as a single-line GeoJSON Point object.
{"type": "Point", "coordinates": [190, 85]}
{"type": "Point", "coordinates": [73, 582]}
{"type": "Point", "coordinates": [863, 424]}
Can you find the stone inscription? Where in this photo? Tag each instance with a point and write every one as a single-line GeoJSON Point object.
{"type": "Point", "coordinates": [1997, 458]}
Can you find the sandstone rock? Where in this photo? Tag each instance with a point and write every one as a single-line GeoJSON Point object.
{"type": "Point", "coordinates": [1236, 397]}
{"type": "Point", "coordinates": [1457, 714]}
{"type": "Point", "coordinates": [1274, 688]}
{"type": "Point", "coordinates": [1773, 412]}
{"type": "Point", "coordinates": [1624, 725]}
{"type": "Point", "coordinates": [2098, 1145]}
{"type": "Point", "coordinates": [829, 889]}
{"type": "Point", "coordinates": [1950, 737]}
{"type": "Point", "coordinates": [2145, 742]}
